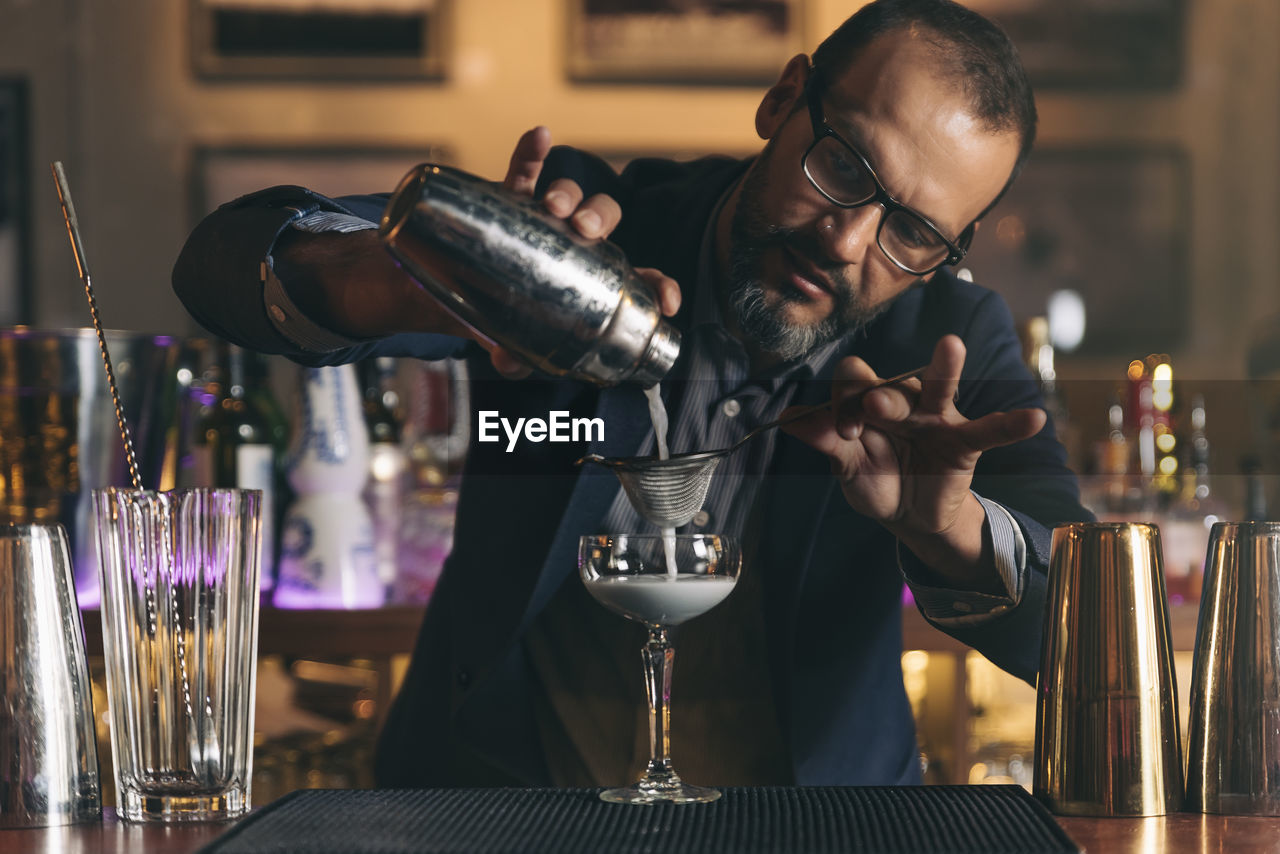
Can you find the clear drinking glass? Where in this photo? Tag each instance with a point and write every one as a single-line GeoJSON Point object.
{"type": "Point", "coordinates": [661, 581]}
{"type": "Point", "coordinates": [179, 578]}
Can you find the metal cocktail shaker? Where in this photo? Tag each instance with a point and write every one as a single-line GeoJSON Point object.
{"type": "Point", "coordinates": [1107, 740]}
{"type": "Point", "coordinates": [524, 280]}
{"type": "Point", "coordinates": [48, 751]}
{"type": "Point", "coordinates": [1233, 750]}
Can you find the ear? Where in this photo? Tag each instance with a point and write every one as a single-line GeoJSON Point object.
{"type": "Point", "coordinates": [782, 97]}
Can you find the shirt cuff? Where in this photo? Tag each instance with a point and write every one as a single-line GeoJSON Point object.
{"type": "Point", "coordinates": [286, 317]}
{"type": "Point", "coordinates": [322, 221]}
{"type": "Point", "coordinates": [949, 607]}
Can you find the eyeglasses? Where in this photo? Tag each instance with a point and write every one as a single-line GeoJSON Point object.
{"type": "Point", "coordinates": [838, 171]}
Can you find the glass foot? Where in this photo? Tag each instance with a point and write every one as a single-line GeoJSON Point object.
{"type": "Point", "coordinates": [652, 789]}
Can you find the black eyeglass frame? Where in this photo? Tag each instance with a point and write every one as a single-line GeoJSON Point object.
{"type": "Point", "coordinates": [955, 250]}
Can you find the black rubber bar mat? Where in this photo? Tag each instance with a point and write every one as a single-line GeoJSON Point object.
{"type": "Point", "coordinates": [916, 819]}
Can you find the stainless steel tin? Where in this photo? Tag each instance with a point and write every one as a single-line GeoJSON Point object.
{"type": "Point", "coordinates": [58, 434]}
{"type": "Point", "coordinates": [524, 280]}
{"type": "Point", "coordinates": [1233, 752]}
{"type": "Point", "coordinates": [1107, 741]}
{"type": "Point", "coordinates": [48, 751]}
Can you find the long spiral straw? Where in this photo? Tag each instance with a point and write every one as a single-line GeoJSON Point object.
{"type": "Point", "coordinates": [73, 231]}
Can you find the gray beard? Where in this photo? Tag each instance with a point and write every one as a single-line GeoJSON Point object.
{"type": "Point", "coordinates": [766, 325]}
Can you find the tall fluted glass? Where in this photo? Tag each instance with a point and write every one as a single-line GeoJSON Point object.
{"type": "Point", "coordinates": [179, 579]}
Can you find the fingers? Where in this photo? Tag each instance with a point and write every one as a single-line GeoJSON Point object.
{"type": "Point", "coordinates": [598, 216]}
{"type": "Point", "coordinates": [933, 395]}
{"type": "Point", "coordinates": [666, 288]}
{"type": "Point", "coordinates": [942, 377]}
{"type": "Point", "coordinates": [855, 405]}
{"type": "Point", "coordinates": [817, 431]}
{"type": "Point", "coordinates": [1002, 428]}
{"type": "Point", "coordinates": [507, 364]}
{"type": "Point", "coordinates": [526, 161]}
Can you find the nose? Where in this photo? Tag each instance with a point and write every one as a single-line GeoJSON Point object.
{"type": "Point", "coordinates": [849, 234]}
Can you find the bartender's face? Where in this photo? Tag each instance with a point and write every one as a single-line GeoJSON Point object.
{"type": "Point", "coordinates": [804, 271]}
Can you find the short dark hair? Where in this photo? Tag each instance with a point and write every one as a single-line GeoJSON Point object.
{"type": "Point", "coordinates": [978, 52]}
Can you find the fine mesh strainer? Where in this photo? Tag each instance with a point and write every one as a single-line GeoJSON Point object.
{"type": "Point", "coordinates": [669, 492]}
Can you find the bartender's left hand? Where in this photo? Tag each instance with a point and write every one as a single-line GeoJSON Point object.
{"type": "Point", "coordinates": [905, 457]}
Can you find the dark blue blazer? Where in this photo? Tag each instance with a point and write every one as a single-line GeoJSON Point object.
{"type": "Point", "coordinates": [832, 587]}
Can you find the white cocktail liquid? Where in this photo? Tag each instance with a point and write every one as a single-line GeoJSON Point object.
{"type": "Point", "coordinates": [658, 600]}
{"type": "Point", "coordinates": [658, 415]}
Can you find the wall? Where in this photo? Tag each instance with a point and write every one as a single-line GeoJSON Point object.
{"type": "Point", "coordinates": [113, 96]}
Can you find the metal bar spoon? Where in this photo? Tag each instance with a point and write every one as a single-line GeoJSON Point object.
{"type": "Point", "coordinates": [77, 247]}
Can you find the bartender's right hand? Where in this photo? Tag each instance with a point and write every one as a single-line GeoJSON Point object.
{"type": "Point", "coordinates": [594, 217]}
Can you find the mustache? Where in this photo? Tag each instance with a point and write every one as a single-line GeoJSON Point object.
{"type": "Point", "coordinates": [805, 244]}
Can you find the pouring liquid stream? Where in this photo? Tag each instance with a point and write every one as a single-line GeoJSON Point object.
{"type": "Point", "coordinates": [658, 415]}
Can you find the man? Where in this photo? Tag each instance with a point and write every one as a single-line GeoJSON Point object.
{"type": "Point", "coordinates": [807, 272]}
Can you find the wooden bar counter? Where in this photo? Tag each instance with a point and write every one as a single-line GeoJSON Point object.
{"type": "Point", "coordinates": [1173, 834]}
{"type": "Point", "coordinates": [387, 632]}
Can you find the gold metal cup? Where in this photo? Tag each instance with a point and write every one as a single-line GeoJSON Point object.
{"type": "Point", "coordinates": [1233, 753]}
{"type": "Point", "coordinates": [1107, 740]}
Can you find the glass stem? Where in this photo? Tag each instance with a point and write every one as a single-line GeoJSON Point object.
{"type": "Point", "coordinates": [659, 656]}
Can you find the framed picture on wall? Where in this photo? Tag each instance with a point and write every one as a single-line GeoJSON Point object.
{"type": "Point", "coordinates": [682, 41]}
{"type": "Point", "coordinates": [1095, 44]}
{"type": "Point", "coordinates": [318, 39]}
{"type": "Point", "coordinates": [15, 208]}
{"type": "Point", "coordinates": [1110, 224]}
{"type": "Point", "coordinates": [222, 173]}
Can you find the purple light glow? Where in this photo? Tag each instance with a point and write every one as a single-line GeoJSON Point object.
{"type": "Point", "coordinates": [294, 599]}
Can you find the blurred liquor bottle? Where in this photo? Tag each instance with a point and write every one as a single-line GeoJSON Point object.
{"type": "Point", "coordinates": [436, 432]}
{"type": "Point", "coordinates": [234, 444]}
{"type": "Point", "coordinates": [327, 554]}
{"type": "Point", "coordinates": [384, 492]}
{"type": "Point", "coordinates": [1150, 431]}
{"type": "Point", "coordinates": [261, 397]}
{"type": "Point", "coordinates": [1113, 459]}
{"type": "Point", "coordinates": [1255, 491]}
{"type": "Point", "coordinates": [1038, 352]}
{"type": "Point", "coordinates": [1196, 508]}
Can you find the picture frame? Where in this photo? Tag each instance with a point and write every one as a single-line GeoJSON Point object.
{"type": "Point", "coordinates": [692, 42]}
{"type": "Point", "coordinates": [1110, 223]}
{"type": "Point", "coordinates": [222, 173]}
{"type": "Point", "coordinates": [15, 204]}
{"type": "Point", "coordinates": [1095, 44]}
{"type": "Point", "coordinates": [319, 39]}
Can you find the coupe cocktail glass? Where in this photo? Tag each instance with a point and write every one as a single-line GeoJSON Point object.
{"type": "Point", "coordinates": [660, 581]}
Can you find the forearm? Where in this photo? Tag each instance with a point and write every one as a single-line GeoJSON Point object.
{"type": "Point", "coordinates": [250, 274]}
{"type": "Point", "coordinates": [349, 284]}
